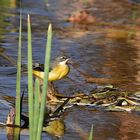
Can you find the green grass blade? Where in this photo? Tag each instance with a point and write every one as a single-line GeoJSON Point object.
{"type": "Point", "coordinates": [17, 106]}
{"type": "Point", "coordinates": [45, 83]}
{"type": "Point", "coordinates": [36, 107]}
{"type": "Point", "coordinates": [16, 133]}
{"type": "Point", "coordinates": [91, 133]}
{"type": "Point", "coordinates": [30, 80]}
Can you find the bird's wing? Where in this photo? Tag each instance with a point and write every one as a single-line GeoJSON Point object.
{"type": "Point", "coordinates": [39, 67]}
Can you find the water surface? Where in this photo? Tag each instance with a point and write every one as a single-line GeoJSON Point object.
{"type": "Point", "coordinates": [105, 54]}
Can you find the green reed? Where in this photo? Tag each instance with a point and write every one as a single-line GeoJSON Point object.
{"type": "Point", "coordinates": [36, 109]}
{"type": "Point", "coordinates": [45, 82]}
{"type": "Point", "coordinates": [17, 105]}
{"type": "Point", "coordinates": [91, 133]}
{"type": "Point", "coordinates": [30, 80]}
{"type": "Point", "coordinates": [18, 84]}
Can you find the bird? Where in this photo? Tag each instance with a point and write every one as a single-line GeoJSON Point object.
{"type": "Point", "coordinates": [60, 69]}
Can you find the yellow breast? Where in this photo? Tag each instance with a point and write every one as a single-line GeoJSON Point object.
{"type": "Point", "coordinates": [39, 74]}
{"type": "Point", "coordinates": [60, 71]}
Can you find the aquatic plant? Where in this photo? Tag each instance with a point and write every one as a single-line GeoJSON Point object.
{"type": "Point", "coordinates": [30, 80]}
{"type": "Point", "coordinates": [17, 118]}
{"type": "Point", "coordinates": [45, 82]}
{"type": "Point", "coordinates": [18, 87]}
{"type": "Point", "coordinates": [91, 133]}
{"type": "Point", "coordinates": [36, 110]}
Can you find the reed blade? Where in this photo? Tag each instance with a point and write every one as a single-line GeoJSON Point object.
{"type": "Point", "coordinates": [45, 82]}
{"type": "Point", "coordinates": [36, 107]}
{"type": "Point", "coordinates": [30, 80]}
{"type": "Point", "coordinates": [91, 133]}
{"type": "Point", "coordinates": [17, 106]}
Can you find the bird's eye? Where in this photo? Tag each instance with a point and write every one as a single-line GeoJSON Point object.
{"type": "Point", "coordinates": [63, 57]}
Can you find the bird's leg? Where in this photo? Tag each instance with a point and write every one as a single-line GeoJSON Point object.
{"type": "Point", "coordinates": [51, 92]}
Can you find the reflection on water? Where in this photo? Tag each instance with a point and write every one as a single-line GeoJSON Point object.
{"type": "Point", "coordinates": [106, 53]}
{"type": "Point", "coordinates": [107, 125]}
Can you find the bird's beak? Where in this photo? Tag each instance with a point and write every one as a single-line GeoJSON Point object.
{"type": "Point", "coordinates": [68, 59]}
{"type": "Point", "coordinates": [65, 61]}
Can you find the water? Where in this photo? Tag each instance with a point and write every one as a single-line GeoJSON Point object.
{"type": "Point", "coordinates": [107, 125]}
{"type": "Point", "coordinates": [105, 54]}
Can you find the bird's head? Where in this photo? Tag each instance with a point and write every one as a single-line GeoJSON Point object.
{"type": "Point", "coordinates": [62, 60]}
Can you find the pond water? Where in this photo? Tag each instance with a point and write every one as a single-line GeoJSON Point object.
{"type": "Point", "coordinates": [103, 54]}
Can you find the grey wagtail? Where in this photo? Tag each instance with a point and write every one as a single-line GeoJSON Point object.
{"type": "Point", "coordinates": [59, 69]}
